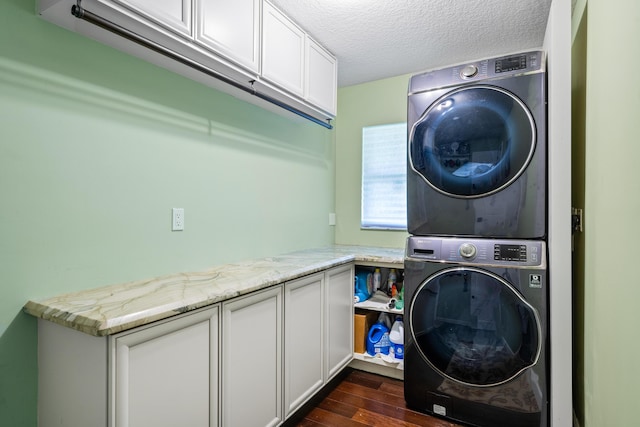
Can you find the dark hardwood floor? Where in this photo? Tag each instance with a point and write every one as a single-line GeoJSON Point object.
{"type": "Point", "coordinates": [364, 399]}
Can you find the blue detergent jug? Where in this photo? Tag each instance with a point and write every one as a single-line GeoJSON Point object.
{"type": "Point", "coordinates": [378, 339]}
{"type": "Point", "coordinates": [361, 291]}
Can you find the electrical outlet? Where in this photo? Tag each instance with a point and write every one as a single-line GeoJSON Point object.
{"type": "Point", "coordinates": [177, 222]}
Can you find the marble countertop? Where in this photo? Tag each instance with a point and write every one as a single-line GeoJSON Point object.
{"type": "Point", "coordinates": [111, 309]}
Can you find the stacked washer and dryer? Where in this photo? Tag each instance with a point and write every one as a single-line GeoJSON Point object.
{"type": "Point", "coordinates": [476, 289]}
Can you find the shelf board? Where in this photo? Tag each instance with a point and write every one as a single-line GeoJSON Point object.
{"type": "Point", "coordinates": [378, 302]}
{"type": "Point", "coordinates": [381, 264]}
{"type": "Point", "coordinates": [378, 360]}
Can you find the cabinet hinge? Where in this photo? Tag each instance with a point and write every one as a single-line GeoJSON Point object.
{"type": "Point", "coordinates": [576, 220]}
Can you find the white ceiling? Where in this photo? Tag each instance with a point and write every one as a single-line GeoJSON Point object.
{"type": "Point", "coordinates": [375, 39]}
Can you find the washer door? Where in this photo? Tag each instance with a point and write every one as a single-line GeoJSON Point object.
{"type": "Point", "coordinates": [473, 327]}
{"type": "Point", "coordinates": [473, 141]}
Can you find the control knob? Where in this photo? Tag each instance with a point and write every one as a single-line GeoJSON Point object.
{"type": "Point", "coordinates": [468, 250]}
{"type": "Point", "coordinates": [469, 71]}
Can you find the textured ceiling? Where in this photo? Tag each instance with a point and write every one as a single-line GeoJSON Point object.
{"type": "Point", "coordinates": [375, 39]}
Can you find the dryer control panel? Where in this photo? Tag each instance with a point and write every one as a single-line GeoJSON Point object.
{"type": "Point", "coordinates": [512, 253]}
{"type": "Point", "coordinates": [486, 69]}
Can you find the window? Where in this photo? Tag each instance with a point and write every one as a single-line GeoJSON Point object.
{"type": "Point", "coordinates": [384, 177]}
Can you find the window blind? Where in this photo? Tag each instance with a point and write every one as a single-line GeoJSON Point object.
{"type": "Point", "coordinates": [384, 177]}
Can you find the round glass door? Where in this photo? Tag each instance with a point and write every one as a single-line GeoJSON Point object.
{"type": "Point", "coordinates": [473, 141]}
{"type": "Point", "coordinates": [473, 327]}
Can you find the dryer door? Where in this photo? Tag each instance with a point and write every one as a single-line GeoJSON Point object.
{"type": "Point", "coordinates": [472, 141]}
{"type": "Point", "coordinates": [473, 327]}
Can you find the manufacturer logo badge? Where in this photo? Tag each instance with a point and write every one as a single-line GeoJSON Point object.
{"type": "Point", "coordinates": [535, 281]}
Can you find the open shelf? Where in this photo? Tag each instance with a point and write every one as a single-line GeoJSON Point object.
{"type": "Point", "coordinates": [379, 303]}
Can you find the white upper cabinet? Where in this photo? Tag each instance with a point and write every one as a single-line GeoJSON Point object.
{"type": "Point", "coordinates": [254, 47]}
{"type": "Point", "coordinates": [172, 14]}
{"type": "Point", "coordinates": [320, 77]}
{"type": "Point", "coordinates": [295, 62]}
{"type": "Point", "coordinates": [282, 51]}
{"type": "Point", "coordinates": [231, 29]}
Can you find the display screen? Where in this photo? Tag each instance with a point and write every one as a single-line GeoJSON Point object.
{"type": "Point", "coordinates": [511, 63]}
{"type": "Point", "coordinates": [510, 252]}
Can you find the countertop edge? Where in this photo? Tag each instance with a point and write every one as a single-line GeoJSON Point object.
{"type": "Point", "coordinates": [116, 308]}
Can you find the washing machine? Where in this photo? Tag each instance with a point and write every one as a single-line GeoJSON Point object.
{"type": "Point", "coordinates": [477, 149]}
{"type": "Point", "coordinates": [476, 330]}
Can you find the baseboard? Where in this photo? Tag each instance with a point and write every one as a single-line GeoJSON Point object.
{"type": "Point", "coordinates": [295, 418]}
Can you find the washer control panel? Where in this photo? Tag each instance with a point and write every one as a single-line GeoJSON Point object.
{"type": "Point", "coordinates": [512, 253]}
{"type": "Point", "coordinates": [468, 250]}
{"type": "Point", "coordinates": [509, 252]}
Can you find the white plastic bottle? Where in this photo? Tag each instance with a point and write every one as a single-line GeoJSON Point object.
{"type": "Point", "coordinates": [396, 337]}
{"type": "Point", "coordinates": [376, 280]}
{"type": "Point", "coordinates": [393, 277]}
{"type": "Point", "coordinates": [392, 280]}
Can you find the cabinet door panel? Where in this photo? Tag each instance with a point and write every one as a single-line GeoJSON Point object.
{"type": "Point", "coordinates": [282, 50]}
{"type": "Point", "coordinates": [172, 14]}
{"type": "Point", "coordinates": [166, 374]}
{"type": "Point", "coordinates": [252, 360]}
{"type": "Point", "coordinates": [321, 77]}
{"type": "Point", "coordinates": [303, 338]}
{"type": "Point", "coordinates": [339, 294]}
{"type": "Point", "coordinates": [231, 28]}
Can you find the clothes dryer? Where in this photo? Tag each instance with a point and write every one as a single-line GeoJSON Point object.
{"type": "Point", "coordinates": [477, 149]}
{"type": "Point", "coordinates": [476, 330]}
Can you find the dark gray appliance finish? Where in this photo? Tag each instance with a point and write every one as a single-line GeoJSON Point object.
{"type": "Point", "coordinates": [477, 149]}
{"type": "Point", "coordinates": [476, 330]}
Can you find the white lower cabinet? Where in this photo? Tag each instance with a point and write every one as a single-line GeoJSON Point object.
{"type": "Point", "coordinates": [318, 332]}
{"type": "Point", "coordinates": [167, 375]}
{"type": "Point", "coordinates": [339, 314]}
{"type": "Point", "coordinates": [303, 339]}
{"type": "Point", "coordinates": [162, 374]}
{"type": "Point", "coordinates": [252, 360]}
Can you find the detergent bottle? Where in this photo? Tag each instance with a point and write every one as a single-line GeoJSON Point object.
{"type": "Point", "coordinates": [400, 299]}
{"type": "Point", "coordinates": [361, 291]}
{"type": "Point", "coordinates": [376, 280]}
{"type": "Point", "coordinates": [378, 339]}
{"type": "Point", "coordinates": [396, 338]}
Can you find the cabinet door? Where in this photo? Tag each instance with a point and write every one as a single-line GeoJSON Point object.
{"type": "Point", "coordinates": [252, 360]}
{"type": "Point", "coordinates": [339, 314]}
{"type": "Point", "coordinates": [172, 14]}
{"type": "Point", "coordinates": [320, 77]}
{"type": "Point", "coordinates": [282, 50]}
{"type": "Point", "coordinates": [303, 339]}
{"type": "Point", "coordinates": [230, 28]}
{"type": "Point", "coordinates": [167, 374]}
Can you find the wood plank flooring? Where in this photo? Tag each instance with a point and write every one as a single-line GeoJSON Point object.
{"type": "Point", "coordinates": [364, 399]}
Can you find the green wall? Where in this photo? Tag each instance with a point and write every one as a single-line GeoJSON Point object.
{"type": "Point", "coordinates": [374, 103]}
{"type": "Point", "coordinates": [96, 147]}
{"type": "Point", "coordinates": [612, 203]}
